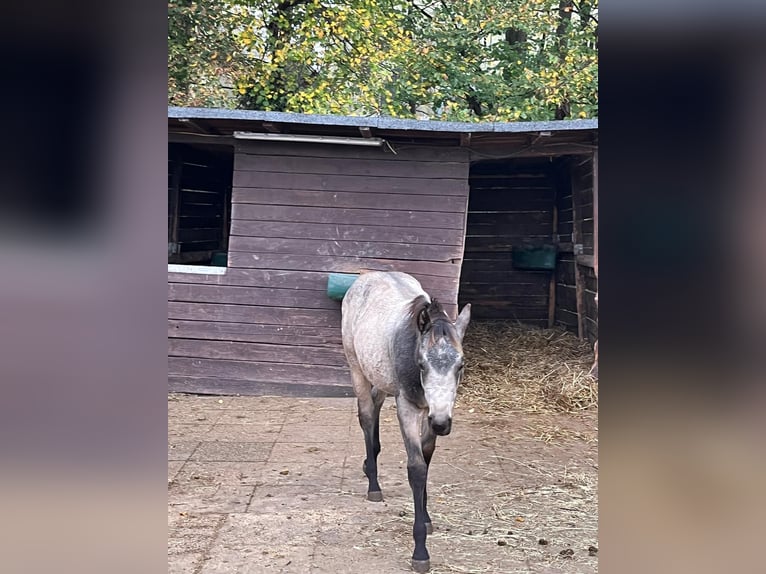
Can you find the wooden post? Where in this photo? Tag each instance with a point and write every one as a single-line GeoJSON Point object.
{"type": "Point", "coordinates": [594, 368]}
{"type": "Point", "coordinates": [577, 240]}
{"type": "Point", "coordinates": [552, 284]}
{"type": "Point", "coordinates": [175, 195]}
{"type": "Point", "coordinates": [595, 213]}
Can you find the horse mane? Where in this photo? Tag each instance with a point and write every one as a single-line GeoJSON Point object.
{"type": "Point", "coordinates": [430, 317]}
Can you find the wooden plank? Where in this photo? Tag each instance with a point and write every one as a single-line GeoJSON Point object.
{"type": "Point", "coordinates": [504, 289]}
{"type": "Point", "coordinates": [382, 217]}
{"type": "Point", "coordinates": [266, 297]}
{"type": "Point", "coordinates": [291, 279]}
{"type": "Point", "coordinates": [199, 234]}
{"type": "Point", "coordinates": [502, 220]}
{"type": "Point", "coordinates": [226, 386]}
{"type": "Point", "coordinates": [199, 197]}
{"type": "Point", "coordinates": [262, 296]}
{"type": "Point", "coordinates": [336, 199]}
{"type": "Point", "coordinates": [511, 200]}
{"type": "Point", "coordinates": [565, 271]}
{"type": "Point", "coordinates": [257, 278]}
{"type": "Point", "coordinates": [198, 222]}
{"type": "Point", "coordinates": [567, 297]}
{"type": "Point", "coordinates": [256, 333]}
{"type": "Point", "coordinates": [499, 310]}
{"type": "Point", "coordinates": [362, 184]}
{"type": "Point", "coordinates": [501, 277]}
{"type": "Point", "coordinates": [339, 264]}
{"type": "Point", "coordinates": [350, 166]}
{"type": "Point", "coordinates": [499, 243]}
{"type": "Point", "coordinates": [346, 232]}
{"type": "Point", "coordinates": [361, 249]}
{"type": "Point", "coordinates": [511, 301]}
{"type": "Point", "coordinates": [249, 370]}
{"type": "Point", "coordinates": [404, 152]}
{"type": "Point", "coordinates": [567, 319]}
{"type": "Point", "coordinates": [258, 352]}
{"type": "Point", "coordinates": [585, 260]}
{"type": "Point", "coordinates": [254, 314]}
{"type": "Point", "coordinates": [197, 246]}
{"type": "Point", "coordinates": [195, 210]}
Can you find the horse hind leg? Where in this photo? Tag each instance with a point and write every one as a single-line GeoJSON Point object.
{"type": "Point", "coordinates": [369, 403]}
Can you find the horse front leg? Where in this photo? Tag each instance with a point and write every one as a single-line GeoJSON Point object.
{"type": "Point", "coordinates": [411, 422]}
{"type": "Point", "coordinates": [369, 403]}
{"type": "Point", "coordinates": [428, 444]}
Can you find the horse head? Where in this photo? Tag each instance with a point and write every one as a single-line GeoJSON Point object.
{"type": "Point", "coordinates": [440, 360]}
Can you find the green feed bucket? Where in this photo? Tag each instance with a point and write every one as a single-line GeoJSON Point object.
{"type": "Point", "coordinates": [219, 259]}
{"type": "Point", "coordinates": [534, 258]}
{"type": "Point", "coordinates": [339, 283]}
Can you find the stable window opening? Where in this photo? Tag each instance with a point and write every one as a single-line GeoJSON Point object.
{"type": "Point", "coordinates": [199, 204]}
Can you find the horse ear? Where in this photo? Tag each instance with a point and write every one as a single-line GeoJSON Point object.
{"type": "Point", "coordinates": [461, 324]}
{"type": "Point", "coordinates": [424, 320]}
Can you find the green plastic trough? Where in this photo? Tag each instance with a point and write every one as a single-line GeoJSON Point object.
{"type": "Point", "coordinates": [534, 258]}
{"type": "Point", "coordinates": [339, 283]}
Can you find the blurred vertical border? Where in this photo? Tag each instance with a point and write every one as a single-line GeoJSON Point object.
{"type": "Point", "coordinates": [83, 286]}
{"type": "Point", "coordinates": [681, 308]}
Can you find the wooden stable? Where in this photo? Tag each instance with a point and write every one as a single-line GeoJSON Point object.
{"type": "Point", "coordinates": [255, 227]}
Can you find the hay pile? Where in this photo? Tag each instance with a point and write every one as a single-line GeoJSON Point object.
{"type": "Point", "coordinates": [512, 367]}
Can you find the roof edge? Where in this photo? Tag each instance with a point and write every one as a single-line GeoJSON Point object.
{"type": "Point", "coordinates": [381, 122]}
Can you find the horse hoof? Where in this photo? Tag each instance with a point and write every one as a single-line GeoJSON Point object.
{"type": "Point", "coordinates": [421, 565]}
{"type": "Point", "coordinates": [375, 496]}
{"type": "Point", "coordinates": [429, 528]}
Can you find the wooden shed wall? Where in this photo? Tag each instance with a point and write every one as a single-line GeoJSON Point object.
{"type": "Point", "coordinates": [299, 212]}
{"type": "Point", "coordinates": [576, 226]}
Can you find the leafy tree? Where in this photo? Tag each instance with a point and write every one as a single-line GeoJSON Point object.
{"type": "Point", "coordinates": [469, 60]}
{"type": "Point", "coordinates": [204, 57]}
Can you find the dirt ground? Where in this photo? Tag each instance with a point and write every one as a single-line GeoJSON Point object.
{"type": "Point", "coordinates": [272, 484]}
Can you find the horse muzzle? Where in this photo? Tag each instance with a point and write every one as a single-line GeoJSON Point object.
{"type": "Point", "coordinates": [441, 427]}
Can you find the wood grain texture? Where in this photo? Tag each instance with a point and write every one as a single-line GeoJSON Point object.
{"type": "Point", "coordinates": [254, 314]}
{"type": "Point", "coordinates": [250, 370]}
{"type": "Point", "coordinates": [227, 386]}
{"type": "Point", "coordinates": [329, 215]}
{"type": "Point", "coordinates": [405, 153]}
{"type": "Point", "coordinates": [338, 199]}
{"type": "Point", "coordinates": [262, 296]}
{"type": "Point", "coordinates": [340, 264]}
{"type": "Point", "coordinates": [339, 183]}
{"type": "Point", "coordinates": [345, 232]}
{"type": "Point", "coordinates": [361, 249]}
{"type": "Point", "coordinates": [258, 352]}
{"type": "Point", "coordinates": [256, 333]}
{"type": "Point", "coordinates": [352, 166]}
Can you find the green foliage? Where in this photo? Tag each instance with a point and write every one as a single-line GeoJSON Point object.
{"type": "Point", "coordinates": [468, 60]}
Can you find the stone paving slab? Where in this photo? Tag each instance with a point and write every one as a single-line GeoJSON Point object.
{"type": "Point", "coordinates": [272, 484]}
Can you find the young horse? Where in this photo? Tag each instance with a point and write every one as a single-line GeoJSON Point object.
{"type": "Point", "coordinates": [398, 341]}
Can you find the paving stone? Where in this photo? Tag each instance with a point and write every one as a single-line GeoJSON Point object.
{"type": "Point", "coordinates": [180, 449]}
{"type": "Point", "coordinates": [303, 452]}
{"type": "Point", "coordinates": [261, 417]}
{"type": "Point", "coordinates": [314, 433]}
{"type": "Point", "coordinates": [224, 451]}
{"type": "Point", "coordinates": [243, 433]}
{"type": "Point", "coordinates": [218, 473]}
{"type": "Point", "coordinates": [220, 499]}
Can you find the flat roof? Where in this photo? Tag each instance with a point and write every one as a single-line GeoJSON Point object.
{"type": "Point", "coordinates": [378, 122]}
